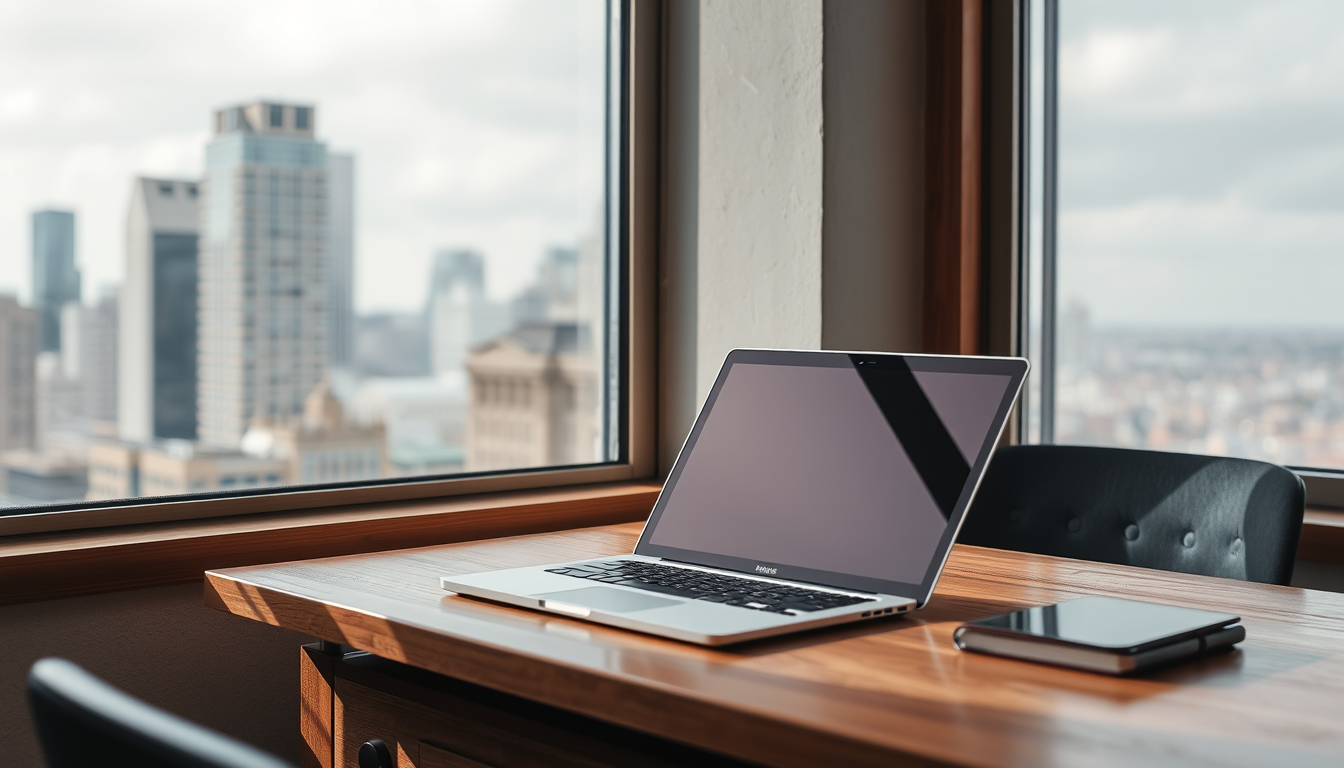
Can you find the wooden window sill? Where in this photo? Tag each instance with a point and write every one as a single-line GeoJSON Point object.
{"type": "Point", "coordinates": [71, 563]}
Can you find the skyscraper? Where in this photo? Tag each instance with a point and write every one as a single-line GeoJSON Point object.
{"type": "Point", "coordinates": [341, 241]}
{"type": "Point", "coordinates": [98, 356]}
{"type": "Point", "coordinates": [264, 284]}
{"type": "Point", "coordinates": [18, 362]}
{"type": "Point", "coordinates": [555, 294]}
{"type": "Point", "coordinates": [156, 370]}
{"type": "Point", "coordinates": [55, 279]}
{"type": "Point", "coordinates": [460, 315]}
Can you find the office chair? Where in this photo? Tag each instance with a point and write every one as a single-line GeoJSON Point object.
{"type": "Point", "coordinates": [1207, 515]}
{"type": "Point", "coordinates": [82, 721]}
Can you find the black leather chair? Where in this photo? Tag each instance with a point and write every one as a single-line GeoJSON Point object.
{"type": "Point", "coordinates": [1207, 515]}
{"type": "Point", "coordinates": [82, 721]}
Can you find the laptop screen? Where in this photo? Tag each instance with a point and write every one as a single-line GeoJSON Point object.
{"type": "Point", "coordinates": [816, 464]}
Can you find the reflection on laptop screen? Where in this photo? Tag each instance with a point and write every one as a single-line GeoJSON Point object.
{"type": "Point", "coordinates": [831, 468]}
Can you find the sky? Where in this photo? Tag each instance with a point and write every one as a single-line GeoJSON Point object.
{"type": "Point", "coordinates": [1202, 162]}
{"type": "Point", "coordinates": [473, 124]}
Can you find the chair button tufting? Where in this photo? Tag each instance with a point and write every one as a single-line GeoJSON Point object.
{"type": "Point", "coordinates": [1236, 546]}
{"type": "Point", "coordinates": [1075, 525]}
{"type": "Point", "coordinates": [1188, 540]}
{"type": "Point", "coordinates": [1132, 532]}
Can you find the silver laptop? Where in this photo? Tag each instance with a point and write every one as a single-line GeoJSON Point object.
{"type": "Point", "coordinates": [815, 488]}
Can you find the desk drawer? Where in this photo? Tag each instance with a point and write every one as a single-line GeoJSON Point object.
{"type": "Point", "coordinates": [447, 727]}
{"type": "Point", "coordinates": [418, 736]}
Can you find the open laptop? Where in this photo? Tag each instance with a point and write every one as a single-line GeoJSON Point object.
{"type": "Point", "coordinates": [815, 488]}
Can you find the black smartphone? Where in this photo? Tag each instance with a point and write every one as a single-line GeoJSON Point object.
{"type": "Point", "coordinates": [1102, 634]}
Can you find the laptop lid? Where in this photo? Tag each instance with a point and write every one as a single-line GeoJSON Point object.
{"type": "Point", "coordinates": [852, 470]}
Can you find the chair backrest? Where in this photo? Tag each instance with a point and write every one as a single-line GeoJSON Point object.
{"type": "Point", "coordinates": [1208, 515]}
{"type": "Point", "coordinates": [82, 721]}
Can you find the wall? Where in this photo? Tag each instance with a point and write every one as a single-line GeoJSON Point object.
{"type": "Point", "coordinates": [873, 189]}
{"type": "Point", "coordinates": [164, 646]}
{"type": "Point", "coordinates": [793, 181]}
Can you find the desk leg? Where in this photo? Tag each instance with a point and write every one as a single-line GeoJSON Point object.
{"type": "Point", "coordinates": [316, 704]}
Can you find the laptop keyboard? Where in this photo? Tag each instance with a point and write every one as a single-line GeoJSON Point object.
{"type": "Point", "coordinates": [710, 587]}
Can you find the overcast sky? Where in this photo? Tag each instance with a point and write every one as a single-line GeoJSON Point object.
{"type": "Point", "coordinates": [473, 124]}
{"type": "Point", "coordinates": [1202, 161]}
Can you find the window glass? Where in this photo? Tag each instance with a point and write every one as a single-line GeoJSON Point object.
{"type": "Point", "coordinates": [1200, 227]}
{"type": "Point", "coordinates": [306, 250]}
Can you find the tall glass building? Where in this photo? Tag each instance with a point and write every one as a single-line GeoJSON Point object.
{"type": "Point", "coordinates": [264, 298]}
{"type": "Point", "coordinates": [158, 313]}
{"type": "Point", "coordinates": [55, 279]}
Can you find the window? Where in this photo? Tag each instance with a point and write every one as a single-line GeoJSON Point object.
{"type": "Point", "coordinates": [327, 298]}
{"type": "Point", "coordinates": [1185, 170]}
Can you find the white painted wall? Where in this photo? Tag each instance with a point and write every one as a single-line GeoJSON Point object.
{"type": "Point", "coordinates": [760, 178]}
{"type": "Point", "coordinates": [792, 201]}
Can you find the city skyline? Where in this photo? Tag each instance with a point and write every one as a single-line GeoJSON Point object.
{"type": "Point", "coordinates": [480, 126]}
{"type": "Point", "coordinates": [87, 441]}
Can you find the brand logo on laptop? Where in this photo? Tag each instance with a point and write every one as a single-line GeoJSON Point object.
{"type": "Point", "coordinates": [766, 571]}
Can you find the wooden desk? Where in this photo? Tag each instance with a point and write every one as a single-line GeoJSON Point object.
{"type": "Point", "coordinates": [891, 692]}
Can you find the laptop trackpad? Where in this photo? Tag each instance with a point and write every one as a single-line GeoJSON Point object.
{"type": "Point", "coordinates": [606, 599]}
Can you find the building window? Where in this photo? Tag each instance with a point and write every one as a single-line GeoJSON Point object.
{"type": "Point", "coordinates": [1184, 166]}
{"type": "Point", "coordinates": [485, 224]}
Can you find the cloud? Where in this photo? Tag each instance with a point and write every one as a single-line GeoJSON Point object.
{"type": "Point", "coordinates": [1202, 160]}
{"type": "Point", "coordinates": [473, 123]}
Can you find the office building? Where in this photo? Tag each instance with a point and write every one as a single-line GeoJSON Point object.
{"type": "Point", "coordinates": [533, 400]}
{"type": "Point", "coordinates": [320, 446]}
{"type": "Point", "coordinates": [341, 266]}
{"type": "Point", "coordinates": [157, 332]}
{"type": "Point", "coordinates": [392, 344]}
{"type": "Point", "coordinates": [89, 354]}
{"type": "Point", "coordinates": [264, 287]}
{"type": "Point", "coordinates": [171, 467]}
{"type": "Point", "coordinates": [59, 399]}
{"type": "Point", "coordinates": [114, 470]}
{"type": "Point", "coordinates": [156, 370]}
{"type": "Point", "coordinates": [460, 314]}
{"type": "Point", "coordinates": [423, 418]}
{"type": "Point", "coordinates": [554, 296]}
{"type": "Point", "coordinates": [44, 477]}
{"type": "Point", "coordinates": [19, 337]}
{"type": "Point", "coordinates": [55, 278]}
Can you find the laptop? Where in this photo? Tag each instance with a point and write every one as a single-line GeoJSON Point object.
{"type": "Point", "coordinates": [815, 488]}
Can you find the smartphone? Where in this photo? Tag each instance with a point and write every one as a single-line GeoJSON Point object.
{"type": "Point", "coordinates": [1102, 634]}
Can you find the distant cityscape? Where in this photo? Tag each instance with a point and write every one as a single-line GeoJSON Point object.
{"type": "Point", "coordinates": [1272, 395]}
{"type": "Point", "coordinates": [231, 355]}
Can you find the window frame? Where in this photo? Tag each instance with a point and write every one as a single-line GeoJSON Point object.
{"type": "Point", "coordinates": [631, 180]}
{"type": "Point", "coordinates": [1324, 486]}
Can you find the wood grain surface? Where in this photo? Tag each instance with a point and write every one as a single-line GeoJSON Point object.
{"type": "Point", "coordinates": [890, 691]}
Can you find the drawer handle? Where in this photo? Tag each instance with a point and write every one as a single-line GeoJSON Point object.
{"type": "Point", "coordinates": [375, 754]}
